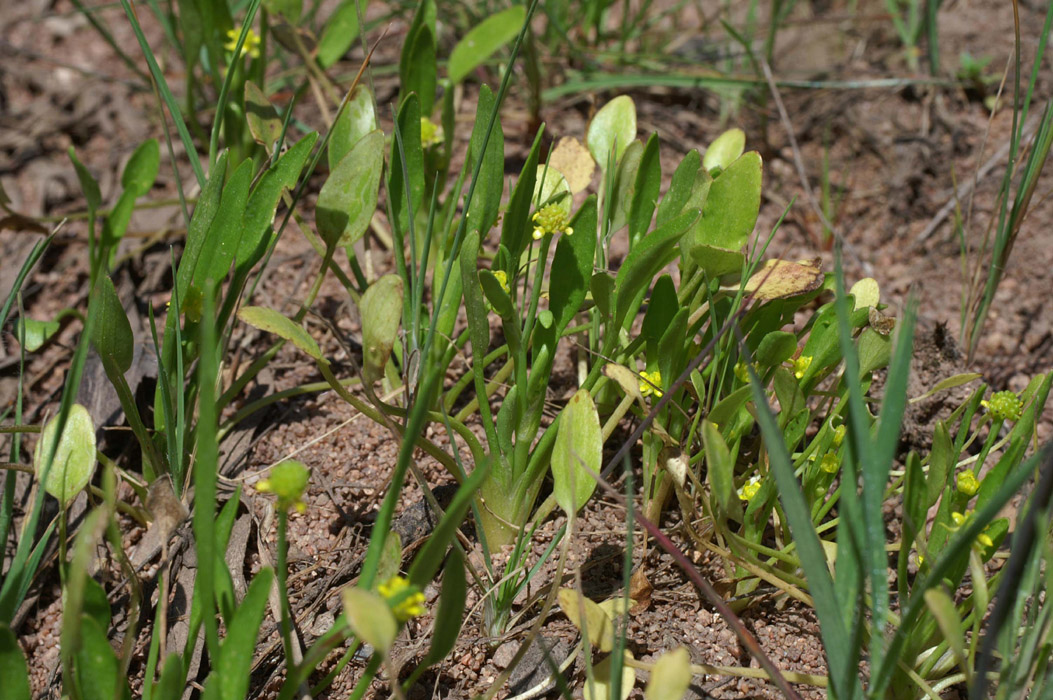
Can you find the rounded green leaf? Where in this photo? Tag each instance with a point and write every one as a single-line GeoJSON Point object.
{"type": "Point", "coordinates": [670, 676]}
{"type": "Point", "coordinates": [613, 127]}
{"type": "Point", "coordinates": [370, 618]}
{"type": "Point", "coordinates": [775, 348]}
{"type": "Point", "coordinates": [349, 196]}
{"type": "Point", "coordinates": [74, 460]}
{"type": "Point", "coordinates": [732, 204]}
{"type": "Point", "coordinates": [381, 309]}
{"type": "Point", "coordinates": [724, 150]}
{"type": "Point", "coordinates": [578, 452]}
{"type": "Point", "coordinates": [357, 120]}
{"type": "Point", "coordinates": [483, 40]}
{"type": "Point", "coordinates": [273, 322]}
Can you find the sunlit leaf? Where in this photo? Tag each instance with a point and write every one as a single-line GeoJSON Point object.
{"type": "Point", "coordinates": [578, 453]}
{"type": "Point", "coordinates": [576, 607]}
{"type": "Point", "coordinates": [349, 196]}
{"type": "Point", "coordinates": [780, 279]}
{"type": "Point", "coordinates": [13, 666]}
{"type": "Point", "coordinates": [571, 158]}
{"type": "Point", "coordinates": [613, 127]}
{"type": "Point", "coordinates": [725, 149]}
{"type": "Point", "coordinates": [370, 618]}
{"type": "Point", "coordinates": [381, 311]}
{"type": "Point", "coordinates": [74, 460]}
{"type": "Point", "coordinates": [356, 121]}
{"type": "Point", "coordinates": [273, 322]}
{"type": "Point", "coordinates": [483, 40]}
{"type": "Point", "coordinates": [341, 30]}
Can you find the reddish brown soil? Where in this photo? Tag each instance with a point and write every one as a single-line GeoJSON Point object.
{"type": "Point", "coordinates": [897, 151]}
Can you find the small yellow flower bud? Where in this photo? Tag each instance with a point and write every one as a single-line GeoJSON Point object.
{"type": "Point", "coordinates": [431, 134]}
{"type": "Point", "coordinates": [839, 435]}
{"type": "Point", "coordinates": [287, 481]}
{"type": "Point", "coordinates": [410, 606]}
{"type": "Point", "coordinates": [985, 540]}
{"type": "Point", "coordinates": [967, 483]}
{"type": "Point", "coordinates": [551, 219]}
{"type": "Point", "coordinates": [830, 463]}
{"type": "Point", "coordinates": [502, 279]}
{"type": "Point", "coordinates": [250, 47]}
{"type": "Point", "coordinates": [1004, 405]}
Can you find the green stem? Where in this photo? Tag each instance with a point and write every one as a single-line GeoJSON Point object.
{"type": "Point", "coordinates": [283, 590]}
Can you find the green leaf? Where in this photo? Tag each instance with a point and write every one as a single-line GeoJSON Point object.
{"type": "Point", "coordinates": [273, 322]}
{"type": "Point", "coordinates": [732, 205]}
{"type": "Point", "coordinates": [370, 618]}
{"type": "Point", "coordinates": [417, 71]}
{"type": "Point", "coordinates": [224, 235]}
{"type": "Point", "coordinates": [141, 171]}
{"type": "Point", "coordinates": [715, 261]}
{"type": "Point", "coordinates": [661, 308]}
{"type": "Point", "coordinates": [449, 616]}
{"type": "Point", "coordinates": [951, 382]}
{"type": "Point", "coordinates": [341, 30]}
{"type": "Point", "coordinates": [624, 186]}
{"type": "Point", "coordinates": [589, 617]}
{"type": "Point", "coordinates": [35, 334]}
{"type": "Point", "coordinates": [74, 460]}
{"type": "Point", "coordinates": [613, 127]}
{"type": "Point", "coordinates": [260, 209]}
{"type": "Point", "coordinates": [413, 154]}
{"type": "Point", "coordinates": [516, 221]}
{"type": "Point", "coordinates": [720, 472]}
{"type": "Point", "coordinates": [724, 150]}
{"type": "Point", "coordinates": [680, 188]}
{"type": "Point", "coordinates": [645, 260]}
{"type": "Point", "coordinates": [88, 184]}
{"type": "Point", "coordinates": [98, 672]}
{"type": "Point", "coordinates": [173, 679]}
{"type": "Point", "coordinates": [349, 196]}
{"type": "Point", "coordinates": [496, 294]}
{"type": "Point", "coordinates": [943, 609]}
{"type": "Point", "coordinates": [232, 673]}
{"type": "Point", "coordinates": [577, 454]}
{"type": "Point", "coordinates": [289, 9]}
{"type": "Point", "coordinates": [775, 348]}
{"type": "Point", "coordinates": [670, 677]}
{"type": "Point", "coordinates": [262, 118]}
{"type": "Point", "coordinates": [489, 188]}
{"type": "Point", "coordinates": [572, 266]}
{"type": "Point", "coordinates": [601, 286]}
{"type": "Point", "coordinates": [208, 204]}
{"type": "Point", "coordinates": [381, 311]}
{"type": "Point", "coordinates": [95, 604]}
{"type": "Point", "coordinates": [13, 667]}
{"type": "Point", "coordinates": [483, 40]}
{"type": "Point", "coordinates": [645, 191]}
{"type": "Point", "coordinates": [357, 120]}
{"type": "Point", "coordinates": [874, 351]}
{"type": "Point", "coordinates": [390, 557]}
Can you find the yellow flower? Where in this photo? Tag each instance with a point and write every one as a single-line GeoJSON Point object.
{"type": "Point", "coordinates": [801, 365]}
{"type": "Point", "coordinates": [1004, 405]}
{"type": "Point", "coordinates": [967, 483]}
{"type": "Point", "coordinates": [287, 481]}
{"type": "Point", "coordinates": [651, 383]}
{"type": "Point", "coordinates": [839, 435]}
{"type": "Point", "coordinates": [251, 45]}
{"type": "Point", "coordinates": [431, 134]}
{"type": "Point", "coordinates": [550, 220]}
{"type": "Point", "coordinates": [502, 279]}
{"type": "Point", "coordinates": [408, 605]}
{"type": "Point", "coordinates": [750, 488]}
{"type": "Point", "coordinates": [829, 463]}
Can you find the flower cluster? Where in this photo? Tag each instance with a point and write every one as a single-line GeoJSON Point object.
{"type": "Point", "coordinates": [250, 47]}
{"type": "Point", "coordinates": [829, 463]}
{"type": "Point", "coordinates": [960, 519]}
{"type": "Point", "coordinates": [287, 481]}
{"type": "Point", "coordinates": [431, 134]}
{"type": "Point", "coordinates": [651, 383]}
{"type": "Point", "coordinates": [801, 365]}
{"type": "Point", "coordinates": [748, 490]}
{"type": "Point", "coordinates": [967, 483]}
{"type": "Point", "coordinates": [404, 605]}
{"type": "Point", "coordinates": [1004, 405]}
{"type": "Point", "coordinates": [551, 219]}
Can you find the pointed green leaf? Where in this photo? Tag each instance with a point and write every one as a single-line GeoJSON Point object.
{"type": "Point", "coordinates": [273, 322]}
{"type": "Point", "coordinates": [483, 40]}
{"type": "Point", "coordinates": [341, 30]}
{"type": "Point", "coordinates": [357, 120]}
{"type": "Point", "coordinates": [232, 673]}
{"type": "Point", "coordinates": [417, 71]}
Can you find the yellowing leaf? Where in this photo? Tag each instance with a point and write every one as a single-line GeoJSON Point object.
{"type": "Point", "coordinates": [600, 688]}
{"type": "Point", "coordinates": [370, 618]}
{"type": "Point", "coordinates": [577, 452]}
{"type": "Point", "coordinates": [571, 158]}
{"type": "Point", "coordinates": [780, 279]}
{"type": "Point", "coordinates": [598, 623]}
{"type": "Point", "coordinates": [625, 378]}
{"type": "Point", "coordinates": [670, 676]}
